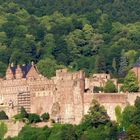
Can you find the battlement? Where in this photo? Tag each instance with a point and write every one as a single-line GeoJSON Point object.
{"type": "Point", "coordinates": [65, 74]}
{"type": "Point", "coordinates": [99, 76]}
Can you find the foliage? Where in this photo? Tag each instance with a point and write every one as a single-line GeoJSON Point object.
{"type": "Point", "coordinates": [34, 118]}
{"type": "Point", "coordinates": [3, 130]}
{"type": "Point", "coordinates": [97, 89]}
{"type": "Point", "coordinates": [33, 133]}
{"type": "Point", "coordinates": [131, 121]}
{"type": "Point", "coordinates": [18, 117]}
{"type": "Point", "coordinates": [45, 116]}
{"type": "Point", "coordinates": [123, 65]}
{"type": "Point", "coordinates": [131, 83]}
{"type": "Point", "coordinates": [22, 116]}
{"type": "Point", "coordinates": [136, 119]}
{"type": "Point", "coordinates": [63, 132]}
{"type": "Point", "coordinates": [118, 113]}
{"type": "Point", "coordinates": [127, 116]}
{"type": "Point", "coordinates": [23, 112]}
{"type": "Point", "coordinates": [110, 87]}
{"type": "Point", "coordinates": [133, 133]}
{"type": "Point", "coordinates": [48, 67]}
{"type": "Point", "coordinates": [96, 116]}
{"type": "Point", "coordinates": [3, 115]}
{"type": "Point", "coordinates": [97, 124]}
{"type": "Point", "coordinates": [88, 35]}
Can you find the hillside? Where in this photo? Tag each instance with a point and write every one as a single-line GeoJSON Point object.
{"type": "Point", "coordinates": [96, 36]}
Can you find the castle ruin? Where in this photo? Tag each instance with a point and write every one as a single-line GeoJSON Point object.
{"type": "Point", "coordinates": [66, 97]}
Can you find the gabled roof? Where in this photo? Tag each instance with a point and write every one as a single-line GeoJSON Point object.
{"type": "Point", "coordinates": [33, 72]}
{"type": "Point", "coordinates": [25, 69]}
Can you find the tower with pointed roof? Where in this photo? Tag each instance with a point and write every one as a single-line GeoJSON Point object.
{"type": "Point", "coordinates": [9, 73]}
{"type": "Point", "coordinates": [18, 73]}
{"type": "Point", "coordinates": [33, 72]}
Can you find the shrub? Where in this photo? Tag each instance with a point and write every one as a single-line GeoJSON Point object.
{"type": "Point", "coordinates": [131, 83]}
{"type": "Point", "coordinates": [18, 117]}
{"type": "Point", "coordinates": [3, 130]}
{"type": "Point", "coordinates": [34, 118]}
{"type": "Point", "coordinates": [97, 89]}
{"type": "Point", "coordinates": [118, 114]}
{"type": "Point", "coordinates": [23, 112]}
{"type": "Point", "coordinates": [3, 116]}
{"type": "Point", "coordinates": [110, 87]}
{"type": "Point", "coordinates": [45, 116]}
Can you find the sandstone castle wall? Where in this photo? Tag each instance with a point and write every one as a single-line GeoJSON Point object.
{"type": "Point", "coordinates": [66, 97]}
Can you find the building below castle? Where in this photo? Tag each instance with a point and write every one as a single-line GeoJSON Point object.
{"type": "Point", "coordinates": [66, 97]}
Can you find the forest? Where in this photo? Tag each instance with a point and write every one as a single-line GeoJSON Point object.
{"type": "Point", "coordinates": [92, 35]}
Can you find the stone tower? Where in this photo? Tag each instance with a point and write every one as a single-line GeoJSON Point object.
{"type": "Point", "coordinates": [78, 93]}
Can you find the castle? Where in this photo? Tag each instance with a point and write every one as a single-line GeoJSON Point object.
{"type": "Point", "coordinates": [66, 97]}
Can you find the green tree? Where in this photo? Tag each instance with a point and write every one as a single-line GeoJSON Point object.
{"type": "Point", "coordinates": [131, 83]}
{"type": "Point", "coordinates": [123, 65]}
{"type": "Point", "coordinates": [96, 116]}
{"type": "Point", "coordinates": [110, 87]}
{"type": "Point", "coordinates": [41, 137]}
{"type": "Point", "coordinates": [114, 66]}
{"type": "Point", "coordinates": [136, 119]}
{"type": "Point", "coordinates": [100, 64]}
{"type": "Point", "coordinates": [118, 113]}
{"type": "Point", "coordinates": [133, 133]}
{"type": "Point", "coordinates": [48, 67]}
{"type": "Point", "coordinates": [127, 116]}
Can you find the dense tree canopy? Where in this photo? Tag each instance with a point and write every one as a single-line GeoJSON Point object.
{"type": "Point", "coordinates": [88, 35]}
{"type": "Point", "coordinates": [131, 83]}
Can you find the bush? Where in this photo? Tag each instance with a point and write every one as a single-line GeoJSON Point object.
{"type": "Point", "coordinates": [3, 130]}
{"type": "Point", "coordinates": [18, 117]}
{"type": "Point", "coordinates": [110, 87]}
{"type": "Point", "coordinates": [97, 89]}
{"type": "Point", "coordinates": [23, 112]}
{"type": "Point", "coordinates": [3, 116]}
{"type": "Point", "coordinates": [45, 116]}
{"type": "Point", "coordinates": [34, 118]}
{"type": "Point", "coordinates": [131, 83]}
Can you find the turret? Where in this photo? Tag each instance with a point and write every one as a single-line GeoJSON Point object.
{"type": "Point", "coordinates": [9, 73]}
{"type": "Point", "coordinates": [18, 73]}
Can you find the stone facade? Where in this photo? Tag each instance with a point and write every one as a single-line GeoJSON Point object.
{"type": "Point", "coordinates": [64, 96]}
